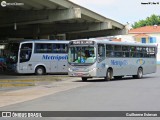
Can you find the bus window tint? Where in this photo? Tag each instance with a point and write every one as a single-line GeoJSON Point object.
{"type": "Point", "coordinates": [101, 51]}
{"type": "Point", "coordinates": [118, 51]}
{"type": "Point", "coordinates": [133, 52]}
{"type": "Point", "coordinates": [60, 48]}
{"type": "Point", "coordinates": [125, 50]}
{"type": "Point", "coordinates": [25, 53]}
{"type": "Point", "coordinates": [43, 48]}
{"type": "Point", "coordinates": [152, 52]}
{"type": "Point", "coordinates": [139, 52]}
{"type": "Point", "coordinates": [144, 50]}
{"type": "Point", "coordinates": [109, 50]}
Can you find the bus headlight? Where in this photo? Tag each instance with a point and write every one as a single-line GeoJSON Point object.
{"type": "Point", "coordinates": [70, 70]}
{"type": "Point", "coordinates": [92, 70]}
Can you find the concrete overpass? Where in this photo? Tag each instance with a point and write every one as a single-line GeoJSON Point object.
{"type": "Point", "coordinates": [36, 18]}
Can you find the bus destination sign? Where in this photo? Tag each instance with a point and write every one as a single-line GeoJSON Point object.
{"type": "Point", "coordinates": [83, 43]}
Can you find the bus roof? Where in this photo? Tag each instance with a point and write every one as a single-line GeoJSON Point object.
{"type": "Point", "coordinates": [38, 41]}
{"type": "Point", "coordinates": [51, 41]}
{"type": "Point", "coordinates": [109, 41]}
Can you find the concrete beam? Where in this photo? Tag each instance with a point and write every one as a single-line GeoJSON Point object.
{"type": "Point", "coordinates": [56, 28]}
{"type": "Point", "coordinates": [62, 3]}
{"type": "Point", "coordinates": [33, 4]}
{"type": "Point", "coordinates": [34, 33]}
{"type": "Point", "coordinates": [38, 16]}
{"type": "Point", "coordinates": [98, 26]}
{"type": "Point", "coordinates": [82, 35]}
{"type": "Point", "coordinates": [86, 12]}
{"type": "Point", "coordinates": [47, 4]}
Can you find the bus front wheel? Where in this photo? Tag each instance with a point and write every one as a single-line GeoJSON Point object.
{"type": "Point", "coordinates": [40, 70]}
{"type": "Point", "coordinates": [108, 75]}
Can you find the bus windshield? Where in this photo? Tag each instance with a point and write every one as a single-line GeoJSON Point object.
{"type": "Point", "coordinates": [81, 54]}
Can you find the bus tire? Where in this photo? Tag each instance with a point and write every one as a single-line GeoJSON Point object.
{"type": "Point", "coordinates": [108, 75]}
{"type": "Point", "coordinates": [84, 79]}
{"type": "Point", "coordinates": [40, 70]}
{"type": "Point", "coordinates": [139, 73]}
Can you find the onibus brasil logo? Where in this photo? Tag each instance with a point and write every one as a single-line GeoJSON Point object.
{"type": "Point", "coordinates": [4, 4]}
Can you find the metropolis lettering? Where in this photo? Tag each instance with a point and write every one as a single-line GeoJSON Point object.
{"type": "Point", "coordinates": [119, 63]}
{"type": "Point", "coordinates": [56, 57]}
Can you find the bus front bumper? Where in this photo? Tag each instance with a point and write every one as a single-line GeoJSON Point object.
{"type": "Point", "coordinates": [82, 73]}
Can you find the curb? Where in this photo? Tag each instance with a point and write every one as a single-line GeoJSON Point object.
{"type": "Point", "coordinates": [16, 84]}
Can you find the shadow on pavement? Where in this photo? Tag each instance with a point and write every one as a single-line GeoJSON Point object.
{"type": "Point", "coordinates": [114, 80]}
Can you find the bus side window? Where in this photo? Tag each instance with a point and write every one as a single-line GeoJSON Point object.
{"type": "Point", "coordinates": [139, 52]}
{"type": "Point", "coordinates": [60, 48]}
{"type": "Point", "coordinates": [133, 52]}
{"type": "Point", "coordinates": [43, 48]}
{"type": "Point", "coordinates": [110, 51]}
{"type": "Point", "coordinates": [125, 54]}
{"type": "Point", "coordinates": [54, 48]}
{"type": "Point", "coordinates": [144, 50]}
{"type": "Point", "coordinates": [118, 51]}
{"type": "Point", "coordinates": [63, 48]}
{"type": "Point", "coordinates": [118, 54]}
{"type": "Point", "coordinates": [107, 54]}
{"type": "Point", "coordinates": [110, 54]}
{"type": "Point", "coordinates": [152, 52]}
{"type": "Point", "coordinates": [101, 52]}
{"type": "Point", "coordinates": [125, 50]}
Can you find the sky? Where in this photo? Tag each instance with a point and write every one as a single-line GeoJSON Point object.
{"type": "Point", "coordinates": [123, 11]}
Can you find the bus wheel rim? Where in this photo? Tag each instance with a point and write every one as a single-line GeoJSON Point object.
{"type": "Point", "coordinates": [140, 73]}
{"type": "Point", "coordinates": [40, 71]}
{"type": "Point", "coordinates": [109, 75]}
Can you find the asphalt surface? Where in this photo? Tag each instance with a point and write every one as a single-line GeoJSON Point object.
{"type": "Point", "coordinates": [127, 94]}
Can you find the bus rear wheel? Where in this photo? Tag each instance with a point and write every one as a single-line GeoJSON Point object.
{"type": "Point", "coordinates": [40, 70]}
{"type": "Point", "coordinates": [108, 75]}
{"type": "Point", "coordinates": [84, 79]}
{"type": "Point", "coordinates": [139, 74]}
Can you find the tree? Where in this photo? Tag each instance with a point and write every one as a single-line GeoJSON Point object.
{"type": "Point", "coordinates": [152, 20]}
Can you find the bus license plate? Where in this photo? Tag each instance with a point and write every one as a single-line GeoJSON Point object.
{"type": "Point", "coordinates": [79, 74]}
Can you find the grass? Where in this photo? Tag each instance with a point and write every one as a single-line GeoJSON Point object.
{"type": "Point", "coordinates": [21, 82]}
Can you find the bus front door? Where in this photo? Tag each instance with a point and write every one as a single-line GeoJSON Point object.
{"type": "Point", "coordinates": [25, 56]}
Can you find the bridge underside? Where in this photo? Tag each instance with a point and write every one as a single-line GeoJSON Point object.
{"type": "Point", "coordinates": [37, 18]}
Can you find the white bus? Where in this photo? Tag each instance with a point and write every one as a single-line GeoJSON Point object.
{"type": "Point", "coordinates": [37, 56]}
{"type": "Point", "coordinates": [108, 59]}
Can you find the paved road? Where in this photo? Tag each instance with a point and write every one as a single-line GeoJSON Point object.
{"type": "Point", "coordinates": [98, 95]}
